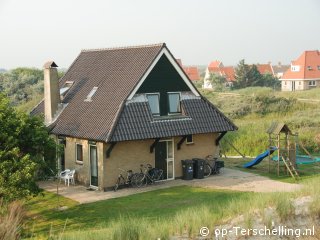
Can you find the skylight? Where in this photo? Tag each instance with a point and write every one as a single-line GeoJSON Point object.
{"type": "Point", "coordinates": [91, 93]}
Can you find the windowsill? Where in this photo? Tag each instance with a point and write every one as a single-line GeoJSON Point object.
{"type": "Point", "coordinates": [170, 117]}
{"type": "Point", "coordinates": [190, 143]}
{"type": "Point", "coordinates": [175, 114]}
{"type": "Point", "coordinates": [79, 162]}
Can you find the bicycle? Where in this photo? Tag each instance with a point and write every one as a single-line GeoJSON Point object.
{"type": "Point", "coordinates": [210, 168]}
{"type": "Point", "coordinates": [127, 181]}
{"type": "Point", "coordinates": [149, 175]}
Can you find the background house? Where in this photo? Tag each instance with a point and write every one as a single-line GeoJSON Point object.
{"type": "Point", "coordinates": [265, 68]}
{"type": "Point", "coordinates": [191, 71]}
{"type": "Point", "coordinates": [217, 67]}
{"type": "Point", "coordinates": [122, 107]}
{"type": "Point", "coordinates": [280, 69]}
{"type": "Point", "coordinates": [304, 72]}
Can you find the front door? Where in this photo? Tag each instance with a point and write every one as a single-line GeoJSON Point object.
{"type": "Point", "coordinates": [293, 86]}
{"type": "Point", "coordinates": [61, 165]}
{"type": "Point", "coordinates": [93, 166]}
{"type": "Point", "coordinates": [164, 158]}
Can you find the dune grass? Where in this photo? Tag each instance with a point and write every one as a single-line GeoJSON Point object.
{"type": "Point", "coordinates": [177, 211]}
{"type": "Point", "coordinates": [254, 109]}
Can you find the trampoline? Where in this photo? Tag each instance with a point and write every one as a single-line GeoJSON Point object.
{"type": "Point", "coordinates": [302, 159]}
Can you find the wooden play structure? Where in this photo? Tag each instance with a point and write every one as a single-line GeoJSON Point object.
{"type": "Point", "coordinates": [281, 137]}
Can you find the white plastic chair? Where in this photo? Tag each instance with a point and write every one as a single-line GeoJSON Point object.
{"type": "Point", "coordinates": [68, 176]}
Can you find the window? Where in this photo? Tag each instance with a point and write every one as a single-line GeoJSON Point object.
{"type": "Point", "coordinates": [285, 82]}
{"type": "Point", "coordinates": [79, 153]}
{"type": "Point", "coordinates": [318, 67]}
{"type": "Point", "coordinates": [174, 103]}
{"type": "Point", "coordinates": [312, 83]}
{"type": "Point", "coordinates": [309, 68]}
{"type": "Point", "coordinates": [153, 100]}
{"type": "Point", "coordinates": [91, 93]}
{"type": "Point", "coordinates": [299, 83]}
{"type": "Point", "coordinates": [189, 139]}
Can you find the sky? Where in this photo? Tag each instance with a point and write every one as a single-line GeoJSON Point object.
{"type": "Point", "coordinates": [197, 31]}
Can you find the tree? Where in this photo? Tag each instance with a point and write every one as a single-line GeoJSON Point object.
{"type": "Point", "coordinates": [218, 82]}
{"type": "Point", "coordinates": [270, 81]}
{"type": "Point", "coordinates": [249, 76]}
{"type": "Point", "coordinates": [25, 149]}
{"type": "Point", "coordinates": [242, 75]}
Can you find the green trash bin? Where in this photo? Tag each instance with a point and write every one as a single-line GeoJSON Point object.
{"type": "Point", "coordinates": [198, 168]}
{"type": "Point", "coordinates": [187, 169]}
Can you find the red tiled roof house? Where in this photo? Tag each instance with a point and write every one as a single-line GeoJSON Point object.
{"type": "Point", "coordinates": [217, 67]}
{"type": "Point", "coordinates": [303, 74]}
{"type": "Point", "coordinates": [122, 107]}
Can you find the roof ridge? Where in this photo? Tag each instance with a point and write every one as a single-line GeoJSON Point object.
{"type": "Point", "coordinates": [124, 47]}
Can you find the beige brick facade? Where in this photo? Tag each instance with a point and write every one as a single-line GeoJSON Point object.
{"type": "Point", "coordinates": [129, 155]}
{"type": "Point", "coordinates": [83, 168]}
{"type": "Point", "coordinates": [299, 85]}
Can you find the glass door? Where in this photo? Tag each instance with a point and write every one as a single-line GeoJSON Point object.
{"type": "Point", "coordinates": [170, 160]}
{"type": "Point", "coordinates": [93, 166]}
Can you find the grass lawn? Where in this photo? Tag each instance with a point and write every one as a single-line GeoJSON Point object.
{"type": "Point", "coordinates": [154, 205]}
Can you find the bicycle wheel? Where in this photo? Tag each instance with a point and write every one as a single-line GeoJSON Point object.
{"type": "Point", "coordinates": [115, 188]}
{"type": "Point", "coordinates": [207, 170]}
{"type": "Point", "coordinates": [135, 180]}
{"type": "Point", "coordinates": [140, 180]}
{"type": "Point", "coordinates": [159, 176]}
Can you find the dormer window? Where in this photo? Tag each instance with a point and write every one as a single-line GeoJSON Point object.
{"type": "Point", "coordinates": [153, 99]}
{"type": "Point", "coordinates": [174, 103]}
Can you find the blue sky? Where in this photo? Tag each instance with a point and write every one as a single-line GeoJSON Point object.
{"type": "Point", "coordinates": [35, 31]}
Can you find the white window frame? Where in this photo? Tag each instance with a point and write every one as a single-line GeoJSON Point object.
{"type": "Point", "coordinates": [156, 93]}
{"type": "Point", "coordinates": [312, 83]}
{"type": "Point", "coordinates": [170, 159]}
{"type": "Point", "coordinates": [79, 161]}
{"type": "Point", "coordinates": [187, 142]}
{"type": "Point", "coordinates": [89, 157]}
{"type": "Point", "coordinates": [174, 113]}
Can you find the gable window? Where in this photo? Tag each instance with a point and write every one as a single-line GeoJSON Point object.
{"type": "Point", "coordinates": [189, 139]}
{"type": "Point", "coordinates": [174, 103]}
{"type": "Point", "coordinates": [312, 83]}
{"type": "Point", "coordinates": [153, 99]}
{"type": "Point", "coordinates": [79, 153]}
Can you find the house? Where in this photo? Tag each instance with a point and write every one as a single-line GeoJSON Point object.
{"type": "Point", "coordinates": [122, 107]}
{"type": "Point", "coordinates": [303, 74]}
{"type": "Point", "coordinates": [280, 69]}
{"type": "Point", "coordinates": [217, 67]}
{"type": "Point", "coordinates": [191, 71]}
{"type": "Point", "coordinates": [265, 69]}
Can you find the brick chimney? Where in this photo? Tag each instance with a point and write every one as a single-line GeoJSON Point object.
{"type": "Point", "coordinates": [51, 91]}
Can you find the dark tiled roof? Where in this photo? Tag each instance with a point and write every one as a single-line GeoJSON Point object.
{"type": "Point", "coordinates": [136, 121]}
{"type": "Point", "coordinates": [115, 72]}
{"type": "Point", "coordinates": [108, 116]}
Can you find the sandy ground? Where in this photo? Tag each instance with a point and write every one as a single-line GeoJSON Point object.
{"type": "Point", "coordinates": [228, 179]}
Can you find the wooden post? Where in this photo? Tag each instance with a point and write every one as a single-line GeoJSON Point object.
{"type": "Point", "coordinates": [269, 152]}
{"type": "Point", "coordinates": [279, 150]}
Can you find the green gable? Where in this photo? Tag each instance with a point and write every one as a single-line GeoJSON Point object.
{"type": "Point", "coordinates": [163, 79]}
